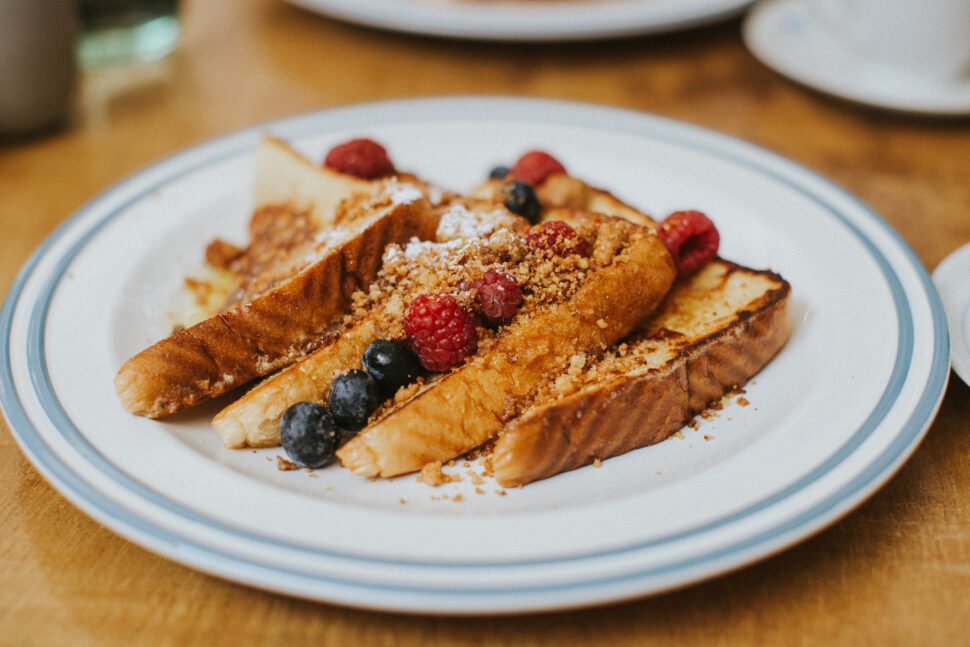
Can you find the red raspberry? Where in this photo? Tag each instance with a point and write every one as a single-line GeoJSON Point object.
{"type": "Point", "coordinates": [440, 331]}
{"type": "Point", "coordinates": [691, 238]}
{"type": "Point", "coordinates": [558, 237]}
{"type": "Point", "coordinates": [363, 158]}
{"type": "Point", "coordinates": [536, 166]}
{"type": "Point", "coordinates": [498, 296]}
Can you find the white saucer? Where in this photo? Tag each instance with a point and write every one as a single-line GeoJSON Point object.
{"type": "Point", "coordinates": [952, 279]}
{"type": "Point", "coordinates": [787, 36]}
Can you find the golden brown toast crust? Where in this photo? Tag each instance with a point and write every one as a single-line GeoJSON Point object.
{"type": "Point", "coordinates": [253, 338]}
{"type": "Point", "coordinates": [639, 406]}
{"type": "Point", "coordinates": [469, 405]}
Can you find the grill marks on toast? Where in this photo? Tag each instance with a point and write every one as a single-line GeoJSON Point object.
{"type": "Point", "coordinates": [280, 235]}
{"type": "Point", "coordinates": [270, 329]}
{"type": "Point", "coordinates": [689, 354]}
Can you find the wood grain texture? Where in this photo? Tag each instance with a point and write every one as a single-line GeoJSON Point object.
{"type": "Point", "coordinates": [894, 572]}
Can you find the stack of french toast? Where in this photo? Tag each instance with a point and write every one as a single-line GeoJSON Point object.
{"type": "Point", "coordinates": [376, 320]}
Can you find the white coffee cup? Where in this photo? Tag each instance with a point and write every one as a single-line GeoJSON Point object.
{"type": "Point", "coordinates": [37, 65]}
{"type": "Point", "coordinates": [928, 39]}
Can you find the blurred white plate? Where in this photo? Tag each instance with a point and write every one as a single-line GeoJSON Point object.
{"type": "Point", "coordinates": [952, 278]}
{"type": "Point", "coordinates": [787, 36]}
{"type": "Point", "coordinates": [528, 20]}
{"type": "Point", "coordinates": [829, 421]}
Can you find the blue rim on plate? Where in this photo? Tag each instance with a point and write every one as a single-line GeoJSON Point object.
{"type": "Point", "coordinates": [465, 600]}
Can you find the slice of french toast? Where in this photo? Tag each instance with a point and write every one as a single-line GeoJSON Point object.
{"type": "Point", "coordinates": [562, 191]}
{"type": "Point", "coordinates": [591, 304]}
{"type": "Point", "coordinates": [715, 329]}
{"type": "Point", "coordinates": [307, 256]}
{"type": "Point", "coordinates": [253, 420]}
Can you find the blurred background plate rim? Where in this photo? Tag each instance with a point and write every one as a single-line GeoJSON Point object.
{"type": "Point", "coordinates": [541, 20]}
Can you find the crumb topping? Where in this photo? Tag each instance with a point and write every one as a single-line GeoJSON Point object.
{"type": "Point", "coordinates": [221, 254]}
{"type": "Point", "coordinates": [448, 266]}
{"type": "Point", "coordinates": [432, 475]}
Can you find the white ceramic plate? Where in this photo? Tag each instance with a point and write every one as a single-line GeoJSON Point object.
{"type": "Point", "coordinates": [829, 420]}
{"type": "Point", "coordinates": [952, 279]}
{"type": "Point", "coordinates": [789, 37]}
{"type": "Point", "coordinates": [528, 20]}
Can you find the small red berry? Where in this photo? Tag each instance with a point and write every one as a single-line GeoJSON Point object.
{"type": "Point", "coordinates": [498, 296]}
{"type": "Point", "coordinates": [440, 332]}
{"type": "Point", "coordinates": [557, 236]}
{"type": "Point", "coordinates": [363, 158]}
{"type": "Point", "coordinates": [536, 166]}
{"type": "Point", "coordinates": [691, 238]}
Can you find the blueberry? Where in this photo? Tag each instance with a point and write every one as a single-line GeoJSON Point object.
{"type": "Point", "coordinates": [499, 172]}
{"type": "Point", "coordinates": [393, 365]}
{"type": "Point", "coordinates": [520, 197]}
{"type": "Point", "coordinates": [353, 397]}
{"type": "Point", "coordinates": [309, 434]}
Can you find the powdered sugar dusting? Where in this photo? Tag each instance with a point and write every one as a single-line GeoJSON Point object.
{"type": "Point", "coordinates": [458, 228]}
{"type": "Point", "coordinates": [417, 248]}
{"type": "Point", "coordinates": [459, 222]}
{"type": "Point", "coordinates": [403, 193]}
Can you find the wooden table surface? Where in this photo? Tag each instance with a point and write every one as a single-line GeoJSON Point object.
{"type": "Point", "coordinates": [894, 572]}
